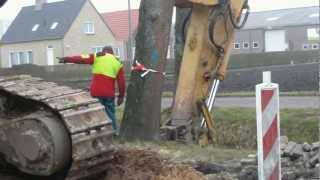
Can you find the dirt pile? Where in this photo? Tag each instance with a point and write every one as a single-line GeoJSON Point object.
{"type": "Point", "coordinates": [300, 160]}
{"type": "Point", "coordinates": [146, 165]}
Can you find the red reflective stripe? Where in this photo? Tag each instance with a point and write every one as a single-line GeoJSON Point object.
{"type": "Point", "coordinates": [270, 137]}
{"type": "Point", "coordinates": [266, 96]}
{"type": "Point", "coordinates": [275, 173]}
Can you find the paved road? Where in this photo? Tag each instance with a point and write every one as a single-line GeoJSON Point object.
{"type": "Point", "coordinates": [285, 102]}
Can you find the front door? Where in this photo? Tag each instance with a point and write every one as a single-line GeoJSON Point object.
{"type": "Point", "coordinates": [50, 56]}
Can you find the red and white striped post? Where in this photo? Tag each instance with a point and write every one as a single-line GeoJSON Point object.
{"type": "Point", "coordinates": [268, 129]}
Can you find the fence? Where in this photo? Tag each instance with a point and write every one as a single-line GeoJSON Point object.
{"type": "Point", "coordinates": [302, 77]}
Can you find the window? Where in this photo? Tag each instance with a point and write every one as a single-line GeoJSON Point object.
{"type": "Point", "coordinates": [14, 59]}
{"type": "Point", "coordinates": [246, 45]}
{"type": "Point", "coordinates": [116, 51]}
{"type": "Point", "coordinates": [305, 46]}
{"type": "Point", "coordinates": [313, 34]}
{"type": "Point", "coordinates": [35, 27]}
{"type": "Point", "coordinates": [22, 57]}
{"type": "Point", "coordinates": [236, 45]}
{"type": "Point", "coordinates": [88, 28]}
{"type": "Point", "coordinates": [314, 15]}
{"type": "Point", "coordinates": [97, 49]}
{"type": "Point", "coordinates": [255, 45]}
{"type": "Point", "coordinates": [54, 25]}
{"type": "Point", "coordinates": [30, 57]}
{"type": "Point", "coordinates": [315, 46]}
{"type": "Point", "coordinates": [133, 52]}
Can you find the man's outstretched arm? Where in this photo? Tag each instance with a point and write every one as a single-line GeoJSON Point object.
{"type": "Point", "coordinates": [84, 59]}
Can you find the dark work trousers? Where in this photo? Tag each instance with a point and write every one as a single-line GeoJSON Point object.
{"type": "Point", "coordinates": [109, 106]}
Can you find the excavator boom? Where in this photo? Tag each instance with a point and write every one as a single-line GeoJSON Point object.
{"type": "Point", "coordinates": [205, 59]}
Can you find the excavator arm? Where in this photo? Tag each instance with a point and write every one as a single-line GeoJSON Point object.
{"type": "Point", "coordinates": [205, 61]}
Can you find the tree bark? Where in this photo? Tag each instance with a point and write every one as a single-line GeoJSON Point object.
{"type": "Point", "coordinates": [142, 114]}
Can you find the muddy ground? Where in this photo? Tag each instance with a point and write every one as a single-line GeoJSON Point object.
{"type": "Point", "coordinates": [147, 165]}
{"type": "Point", "coordinates": [130, 165]}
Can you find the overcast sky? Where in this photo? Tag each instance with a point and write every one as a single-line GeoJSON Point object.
{"type": "Point", "coordinates": [10, 10]}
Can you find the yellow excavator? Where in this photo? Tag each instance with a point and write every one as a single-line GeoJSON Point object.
{"type": "Point", "coordinates": [46, 128]}
{"type": "Point", "coordinates": [204, 64]}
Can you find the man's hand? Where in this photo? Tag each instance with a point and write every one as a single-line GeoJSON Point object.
{"type": "Point", "coordinates": [62, 60]}
{"type": "Point", "coordinates": [120, 100]}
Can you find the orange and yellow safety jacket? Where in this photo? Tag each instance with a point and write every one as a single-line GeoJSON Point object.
{"type": "Point", "coordinates": [106, 70]}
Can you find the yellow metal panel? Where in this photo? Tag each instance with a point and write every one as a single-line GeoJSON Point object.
{"type": "Point", "coordinates": [205, 2]}
{"type": "Point", "coordinates": [183, 106]}
{"type": "Point", "coordinates": [201, 57]}
{"type": "Point", "coordinates": [236, 6]}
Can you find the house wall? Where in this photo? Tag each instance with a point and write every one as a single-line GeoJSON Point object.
{"type": "Point", "coordinates": [296, 37]}
{"type": "Point", "coordinates": [250, 36]}
{"type": "Point", "coordinates": [77, 42]}
{"type": "Point", "coordinates": [38, 48]}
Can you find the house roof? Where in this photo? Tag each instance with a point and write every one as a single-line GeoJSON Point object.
{"type": "Point", "coordinates": [63, 13]}
{"type": "Point", "coordinates": [119, 23]}
{"type": "Point", "coordinates": [283, 17]}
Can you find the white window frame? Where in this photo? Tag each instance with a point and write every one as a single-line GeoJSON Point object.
{"type": "Point", "coordinates": [253, 45]}
{"type": "Point", "coordinates": [234, 45]}
{"type": "Point", "coordinates": [273, 18]}
{"type": "Point", "coordinates": [35, 27]}
{"type": "Point", "coordinates": [117, 51]}
{"type": "Point", "coordinates": [54, 25]}
{"type": "Point", "coordinates": [313, 31]}
{"type": "Point", "coordinates": [305, 46]}
{"type": "Point", "coordinates": [315, 44]}
{"type": "Point", "coordinates": [86, 29]}
{"type": "Point", "coordinates": [18, 57]}
{"type": "Point", "coordinates": [248, 47]}
{"type": "Point", "coordinates": [314, 15]}
{"type": "Point", "coordinates": [96, 48]}
{"type": "Point", "coordinates": [133, 49]}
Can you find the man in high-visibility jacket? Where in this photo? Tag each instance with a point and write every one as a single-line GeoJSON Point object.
{"type": "Point", "coordinates": [106, 69]}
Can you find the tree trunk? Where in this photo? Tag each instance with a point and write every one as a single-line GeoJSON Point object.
{"type": "Point", "coordinates": [142, 114]}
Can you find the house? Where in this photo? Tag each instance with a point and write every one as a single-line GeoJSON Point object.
{"type": "Point", "coordinates": [118, 21]}
{"type": "Point", "coordinates": [293, 29]}
{"type": "Point", "coordinates": [44, 31]}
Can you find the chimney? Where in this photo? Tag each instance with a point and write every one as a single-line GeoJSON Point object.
{"type": "Point", "coordinates": [39, 4]}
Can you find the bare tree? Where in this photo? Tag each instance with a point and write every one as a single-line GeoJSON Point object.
{"type": "Point", "coordinates": [142, 114]}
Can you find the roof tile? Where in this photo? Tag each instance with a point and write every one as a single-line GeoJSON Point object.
{"type": "Point", "coordinates": [119, 23]}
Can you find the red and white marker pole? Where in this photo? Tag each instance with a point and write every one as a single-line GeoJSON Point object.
{"type": "Point", "coordinates": [268, 129]}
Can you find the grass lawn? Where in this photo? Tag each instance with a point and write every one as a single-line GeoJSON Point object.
{"type": "Point", "coordinates": [300, 125]}
{"type": "Point", "coordinates": [236, 127]}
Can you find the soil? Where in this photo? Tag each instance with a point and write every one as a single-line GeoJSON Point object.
{"type": "Point", "coordinates": [146, 165]}
{"type": "Point", "coordinates": [133, 165]}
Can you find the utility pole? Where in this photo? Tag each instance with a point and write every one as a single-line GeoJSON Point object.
{"type": "Point", "coordinates": [129, 49]}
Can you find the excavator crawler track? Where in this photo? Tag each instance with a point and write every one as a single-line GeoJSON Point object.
{"type": "Point", "coordinates": [45, 128]}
